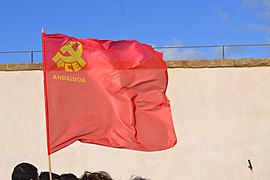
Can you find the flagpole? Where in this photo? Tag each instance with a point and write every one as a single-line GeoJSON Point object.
{"type": "Point", "coordinates": [49, 156]}
{"type": "Point", "coordinates": [50, 166]}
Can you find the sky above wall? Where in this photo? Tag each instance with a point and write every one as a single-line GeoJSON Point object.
{"type": "Point", "coordinates": [159, 23]}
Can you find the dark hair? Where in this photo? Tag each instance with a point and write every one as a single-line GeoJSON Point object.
{"type": "Point", "coordinates": [25, 171]}
{"type": "Point", "coordinates": [46, 176]}
{"type": "Point", "coordinates": [138, 178]}
{"type": "Point", "coordinates": [68, 176]}
{"type": "Point", "coordinates": [100, 175]}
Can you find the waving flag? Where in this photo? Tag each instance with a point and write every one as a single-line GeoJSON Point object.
{"type": "Point", "coordinates": [110, 93]}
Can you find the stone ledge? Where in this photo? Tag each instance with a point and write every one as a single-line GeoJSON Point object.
{"type": "Point", "coordinates": [215, 63]}
{"type": "Point", "coordinates": [21, 67]}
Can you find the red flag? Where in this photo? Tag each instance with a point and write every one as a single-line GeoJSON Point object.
{"type": "Point", "coordinates": [103, 92]}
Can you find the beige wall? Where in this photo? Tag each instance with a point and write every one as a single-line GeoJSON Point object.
{"type": "Point", "coordinates": [221, 117]}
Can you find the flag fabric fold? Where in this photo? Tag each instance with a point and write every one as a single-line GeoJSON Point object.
{"type": "Point", "coordinates": [110, 93]}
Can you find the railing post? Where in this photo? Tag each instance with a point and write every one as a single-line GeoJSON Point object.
{"type": "Point", "coordinates": [32, 56]}
{"type": "Point", "coordinates": [223, 51]}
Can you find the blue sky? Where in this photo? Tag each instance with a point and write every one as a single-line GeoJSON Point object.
{"type": "Point", "coordinates": [159, 23]}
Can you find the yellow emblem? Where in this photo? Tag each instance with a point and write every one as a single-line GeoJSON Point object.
{"type": "Point", "coordinates": [69, 58]}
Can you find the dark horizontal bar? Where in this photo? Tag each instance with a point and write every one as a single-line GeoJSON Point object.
{"type": "Point", "coordinates": [246, 45]}
{"type": "Point", "coordinates": [164, 47]}
{"type": "Point", "coordinates": [13, 52]}
{"type": "Point", "coordinates": [210, 46]}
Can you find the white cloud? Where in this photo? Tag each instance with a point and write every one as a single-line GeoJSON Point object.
{"type": "Point", "coordinates": [266, 3]}
{"type": "Point", "coordinates": [235, 52]}
{"type": "Point", "coordinates": [251, 3]}
{"type": "Point", "coordinates": [185, 54]}
{"type": "Point", "coordinates": [203, 53]}
{"type": "Point", "coordinates": [190, 53]}
{"type": "Point", "coordinates": [258, 27]}
{"type": "Point", "coordinates": [256, 5]}
{"type": "Point", "coordinates": [180, 53]}
{"type": "Point", "coordinates": [224, 16]}
{"type": "Point", "coordinates": [261, 9]}
{"type": "Point", "coordinates": [267, 41]}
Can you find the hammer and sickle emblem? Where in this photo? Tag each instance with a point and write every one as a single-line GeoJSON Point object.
{"type": "Point", "coordinates": [74, 61]}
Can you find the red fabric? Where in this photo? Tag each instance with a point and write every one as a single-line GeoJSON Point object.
{"type": "Point", "coordinates": [116, 98]}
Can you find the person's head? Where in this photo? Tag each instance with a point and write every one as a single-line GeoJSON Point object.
{"type": "Point", "coordinates": [100, 175]}
{"type": "Point", "coordinates": [25, 171]}
{"type": "Point", "coordinates": [138, 178]}
{"type": "Point", "coordinates": [46, 176]}
{"type": "Point", "coordinates": [68, 176]}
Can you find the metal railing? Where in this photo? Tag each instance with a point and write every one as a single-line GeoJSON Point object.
{"type": "Point", "coordinates": [31, 53]}
{"type": "Point", "coordinates": [222, 48]}
{"type": "Point", "coordinates": [212, 46]}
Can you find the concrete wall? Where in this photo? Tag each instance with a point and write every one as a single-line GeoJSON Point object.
{"type": "Point", "coordinates": [221, 117]}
